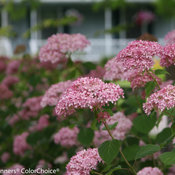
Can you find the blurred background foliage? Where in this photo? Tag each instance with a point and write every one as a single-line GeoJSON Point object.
{"type": "Point", "coordinates": [18, 11]}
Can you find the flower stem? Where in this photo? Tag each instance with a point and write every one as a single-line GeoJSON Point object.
{"type": "Point", "coordinates": [153, 79]}
{"type": "Point", "coordinates": [97, 173]}
{"type": "Point", "coordinates": [126, 161]}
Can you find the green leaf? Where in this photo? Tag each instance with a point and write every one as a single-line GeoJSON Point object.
{"type": "Point", "coordinates": [144, 124]}
{"type": "Point", "coordinates": [86, 136]}
{"type": "Point", "coordinates": [94, 124]}
{"type": "Point", "coordinates": [110, 112]}
{"type": "Point", "coordinates": [109, 150]}
{"type": "Point", "coordinates": [70, 63]}
{"type": "Point", "coordinates": [34, 137]}
{"type": "Point", "coordinates": [89, 65]}
{"type": "Point", "coordinates": [130, 152]}
{"type": "Point", "coordinates": [111, 127]}
{"type": "Point", "coordinates": [149, 87]}
{"type": "Point", "coordinates": [173, 128]}
{"type": "Point", "coordinates": [114, 169]}
{"type": "Point", "coordinates": [107, 168]}
{"type": "Point", "coordinates": [147, 150]}
{"type": "Point", "coordinates": [162, 136]}
{"type": "Point", "coordinates": [161, 71]}
{"type": "Point", "coordinates": [168, 158]}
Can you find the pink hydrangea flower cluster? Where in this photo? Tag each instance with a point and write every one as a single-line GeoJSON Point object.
{"type": "Point", "coordinates": [83, 162]}
{"type": "Point", "coordinates": [10, 80]}
{"type": "Point", "coordinates": [59, 45]}
{"type": "Point", "coordinates": [33, 103]}
{"type": "Point", "coordinates": [3, 63]}
{"type": "Point", "coordinates": [14, 170]}
{"type": "Point", "coordinates": [43, 122]}
{"type": "Point", "coordinates": [143, 17]}
{"type": "Point", "coordinates": [160, 100]}
{"type": "Point", "coordinates": [31, 108]}
{"type": "Point", "coordinates": [67, 137]}
{"type": "Point", "coordinates": [168, 56]}
{"type": "Point", "coordinates": [117, 68]}
{"type": "Point", "coordinates": [138, 55]}
{"type": "Point", "coordinates": [5, 93]}
{"type": "Point", "coordinates": [87, 93]}
{"type": "Point", "coordinates": [149, 171]}
{"type": "Point", "coordinates": [61, 159]}
{"type": "Point", "coordinates": [5, 157]}
{"type": "Point", "coordinates": [170, 37]}
{"type": "Point", "coordinates": [52, 95]}
{"type": "Point", "coordinates": [12, 120]}
{"type": "Point", "coordinates": [43, 164]}
{"type": "Point", "coordinates": [13, 67]}
{"type": "Point", "coordinates": [97, 73]}
{"type": "Point", "coordinates": [140, 79]}
{"type": "Point", "coordinates": [20, 145]}
{"type": "Point", "coordinates": [119, 132]}
{"type": "Point", "coordinates": [114, 70]}
{"type": "Point", "coordinates": [171, 171]}
{"type": "Point", "coordinates": [166, 83]}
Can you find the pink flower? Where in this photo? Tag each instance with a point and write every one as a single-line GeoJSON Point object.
{"type": "Point", "coordinates": [43, 164]}
{"type": "Point", "coordinates": [171, 170]}
{"type": "Point", "coordinates": [14, 170]}
{"type": "Point", "coordinates": [144, 17]}
{"type": "Point", "coordinates": [33, 103]}
{"type": "Point", "coordinates": [160, 100]}
{"type": "Point", "coordinates": [12, 120]}
{"type": "Point", "coordinates": [103, 116]}
{"type": "Point", "coordinates": [43, 122]}
{"type": "Point", "coordinates": [10, 80]}
{"type": "Point", "coordinates": [31, 108]}
{"type": "Point", "coordinates": [51, 97]}
{"type": "Point", "coordinates": [67, 137]}
{"type": "Point", "coordinates": [5, 157]}
{"type": "Point", "coordinates": [150, 171]}
{"type": "Point", "coordinates": [97, 73]}
{"type": "Point", "coordinates": [140, 79]}
{"type": "Point", "coordinates": [59, 45]}
{"type": "Point", "coordinates": [3, 63]}
{"type": "Point", "coordinates": [20, 145]}
{"type": "Point", "coordinates": [61, 159]}
{"type": "Point", "coordinates": [114, 70]}
{"type": "Point", "coordinates": [138, 55]}
{"type": "Point", "coordinates": [123, 125]}
{"type": "Point", "coordinates": [13, 67]}
{"type": "Point", "coordinates": [165, 83]}
{"type": "Point", "coordinates": [49, 65]}
{"type": "Point", "coordinates": [87, 93]}
{"type": "Point", "coordinates": [83, 162]}
{"type": "Point", "coordinates": [51, 52]}
{"type": "Point", "coordinates": [5, 93]}
{"type": "Point", "coordinates": [168, 56]}
{"type": "Point", "coordinates": [170, 37]}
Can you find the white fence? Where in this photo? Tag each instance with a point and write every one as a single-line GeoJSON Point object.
{"type": "Point", "coordinates": [99, 48]}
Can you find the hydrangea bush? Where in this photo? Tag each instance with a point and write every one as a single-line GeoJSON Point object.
{"type": "Point", "coordinates": [85, 118]}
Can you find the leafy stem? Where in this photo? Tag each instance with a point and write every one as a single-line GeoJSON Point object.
{"type": "Point", "coordinates": [126, 161]}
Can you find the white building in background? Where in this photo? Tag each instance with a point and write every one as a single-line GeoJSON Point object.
{"type": "Point", "coordinates": [93, 22]}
